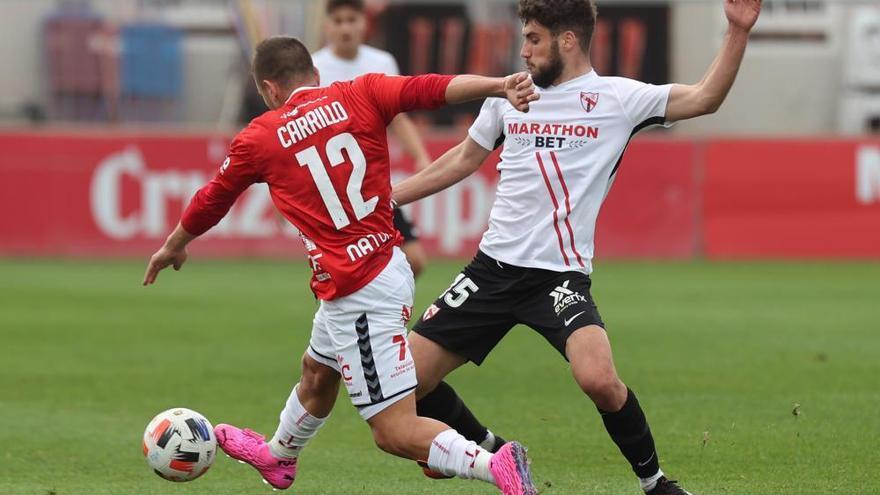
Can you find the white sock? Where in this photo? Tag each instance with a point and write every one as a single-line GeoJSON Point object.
{"type": "Point", "coordinates": [453, 454]}
{"type": "Point", "coordinates": [489, 441]}
{"type": "Point", "coordinates": [648, 484]}
{"type": "Point", "coordinates": [295, 429]}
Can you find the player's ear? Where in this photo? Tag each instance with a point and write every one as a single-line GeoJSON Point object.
{"type": "Point", "coordinates": [568, 40]}
{"type": "Point", "coordinates": [270, 90]}
{"type": "Point", "coordinates": [317, 77]}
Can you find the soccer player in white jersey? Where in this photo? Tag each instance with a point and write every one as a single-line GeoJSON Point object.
{"type": "Point", "coordinates": [346, 57]}
{"type": "Point", "coordinates": [558, 163]}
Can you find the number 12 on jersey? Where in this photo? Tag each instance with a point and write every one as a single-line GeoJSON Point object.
{"type": "Point", "coordinates": [310, 158]}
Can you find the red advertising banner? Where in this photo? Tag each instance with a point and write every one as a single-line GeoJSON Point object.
{"type": "Point", "coordinates": [118, 194]}
{"type": "Point", "coordinates": [653, 208]}
{"type": "Point", "coordinates": [792, 199]}
{"type": "Point", "coordinates": [90, 194]}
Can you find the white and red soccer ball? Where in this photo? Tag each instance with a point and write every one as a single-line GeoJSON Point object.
{"type": "Point", "coordinates": [179, 444]}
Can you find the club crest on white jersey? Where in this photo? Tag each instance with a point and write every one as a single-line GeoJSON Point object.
{"type": "Point", "coordinates": [589, 101]}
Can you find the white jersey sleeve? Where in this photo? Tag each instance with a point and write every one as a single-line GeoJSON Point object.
{"type": "Point", "coordinates": [489, 125]}
{"type": "Point", "coordinates": [641, 101]}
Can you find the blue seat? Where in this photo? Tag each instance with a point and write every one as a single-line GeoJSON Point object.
{"type": "Point", "coordinates": [151, 72]}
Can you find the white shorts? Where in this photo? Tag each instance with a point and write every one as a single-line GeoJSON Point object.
{"type": "Point", "coordinates": [363, 337]}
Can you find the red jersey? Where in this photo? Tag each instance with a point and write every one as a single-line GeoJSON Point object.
{"type": "Point", "coordinates": [324, 155]}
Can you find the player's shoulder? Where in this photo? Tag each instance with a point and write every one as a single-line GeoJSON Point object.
{"type": "Point", "coordinates": [248, 139]}
{"type": "Point", "coordinates": [622, 86]}
{"type": "Point", "coordinates": [375, 80]}
{"type": "Point", "coordinates": [497, 105]}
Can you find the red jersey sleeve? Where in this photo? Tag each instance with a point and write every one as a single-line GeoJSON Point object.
{"type": "Point", "coordinates": [396, 94]}
{"type": "Point", "coordinates": [211, 203]}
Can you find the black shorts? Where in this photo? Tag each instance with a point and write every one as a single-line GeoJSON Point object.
{"type": "Point", "coordinates": [489, 297]}
{"type": "Point", "coordinates": [404, 226]}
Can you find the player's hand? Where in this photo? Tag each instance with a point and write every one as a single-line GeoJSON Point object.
{"type": "Point", "coordinates": [742, 14]}
{"type": "Point", "coordinates": [162, 259]}
{"type": "Point", "coordinates": [520, 90]}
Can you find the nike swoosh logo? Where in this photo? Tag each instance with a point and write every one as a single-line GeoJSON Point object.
{"type": "Point", "coordinates": [569, 320]}
{"type": "Point", "coordinates": [641, 464]}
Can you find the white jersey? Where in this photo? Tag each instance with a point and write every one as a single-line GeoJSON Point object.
{"type": "Point", "coordinates": [557, 166]}
{"type": "Point", "coordinates": [332, 68]}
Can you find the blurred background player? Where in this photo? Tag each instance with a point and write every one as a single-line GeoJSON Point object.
{"type": "Point", "coordinates": [359, 273]}
{"type": "Point", "coordinates": [346, 57]}
{"type": "Point", "coordinates": [534, 262]}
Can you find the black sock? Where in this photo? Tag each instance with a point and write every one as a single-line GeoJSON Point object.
{"type": "Point", "coordinates": [443, 404]}
{"type": "Point", "coordinates": [629, 430]}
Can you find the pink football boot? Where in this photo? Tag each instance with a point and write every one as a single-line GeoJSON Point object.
{"type": "Point", "coordinates": [251, 448]}
{"type": "Point", "coordinates": [510, 467]}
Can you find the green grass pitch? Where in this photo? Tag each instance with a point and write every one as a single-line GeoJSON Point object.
{"type": "Point", "coordinates": [718, 353]}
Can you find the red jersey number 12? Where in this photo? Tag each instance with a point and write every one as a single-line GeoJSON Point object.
{"type": "Point", "coordinates": [309, 157]}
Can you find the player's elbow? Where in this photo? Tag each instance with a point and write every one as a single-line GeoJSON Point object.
{"type": "Point", "coordinates": [710, 106]}
{"type": "Point", "coordinates": [706, 102]}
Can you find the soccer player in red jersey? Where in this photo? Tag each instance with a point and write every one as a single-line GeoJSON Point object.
{"type": "Point", "coordinates": [324, 155]}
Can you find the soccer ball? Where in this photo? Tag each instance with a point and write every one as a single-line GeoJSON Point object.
{"type": "Point", "coordinates": [179, 444]}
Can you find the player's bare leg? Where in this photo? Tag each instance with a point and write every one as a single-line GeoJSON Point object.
{"type": "Point", "coordinates": [398, 431]}
{"type": "Point", "coordinates": [592, 365]}
{"type": "Point", "coordinates": [437, 400]}
{"type": "Point", "coordinates": [306, 410]}
{"type": "Point", "coordinates": [434, 362]}
{"type": "Point", "coordinates": [318, 387]}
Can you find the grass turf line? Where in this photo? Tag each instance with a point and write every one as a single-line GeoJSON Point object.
{"type": "Point", "coordinates": [719, 354]}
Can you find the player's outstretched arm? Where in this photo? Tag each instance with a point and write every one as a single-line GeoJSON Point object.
{"type": "Point", "coordinates": [705, 97]}
{"type": "Point", "coordinates": [406, 132]}
{"type": "Point", "coordinates": [207, 207]}
{"type": "Point", "coordinates": [456, 164]}
{"type": "Point", "coordinates": [517, 88]}
{"type": "Point", "coordinates": [172, 253]}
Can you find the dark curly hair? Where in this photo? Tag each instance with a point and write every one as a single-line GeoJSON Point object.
{"type": "Point", "coordinates": [332, 5]}
{"type": "Point", "coordinates": [577, 16]}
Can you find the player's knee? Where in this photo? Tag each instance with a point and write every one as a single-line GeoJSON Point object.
{"type": "Point", "coordinates": [605, 389]}
{"type": "Point", "coordinates": [425, 386]}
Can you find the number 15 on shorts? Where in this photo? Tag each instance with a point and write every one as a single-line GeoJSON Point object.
{"type": "Point", "coordinates": [459, 291]}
